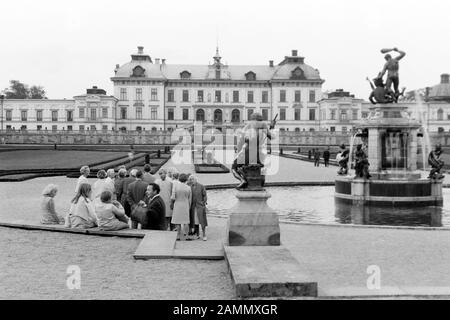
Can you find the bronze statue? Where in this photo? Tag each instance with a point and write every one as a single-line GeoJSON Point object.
{"type": "Point", "coordinates": [392, 67]}
{"type": "Point", "coordinates": [436, 163]}
{"type": "Point", "coordinates": [361, 163]}
{"type": "Point", "coordinates": [342, 159]}
{"type": "Point", "coordinates": [379, 93]}
{"type": "Point", "coordinates": [250, 155]}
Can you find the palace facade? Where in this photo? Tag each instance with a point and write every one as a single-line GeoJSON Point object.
{"type": "Point", "coordinates": [153, 95]}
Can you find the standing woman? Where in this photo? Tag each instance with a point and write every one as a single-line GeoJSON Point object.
{"type": "Point", "coordinates": [84, 171]}
{"type": "Point", "coordinates": [100, 185]}
{"type": "Point", "coordinates": [82, 211]}
{"type": "Point", "coordinates": [181, 204]}
{"type": "Point", "coordinates": [49, 215]}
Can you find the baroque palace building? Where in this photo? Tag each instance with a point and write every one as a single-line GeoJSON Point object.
{"type": "Point", "coordinates": [152, 95]}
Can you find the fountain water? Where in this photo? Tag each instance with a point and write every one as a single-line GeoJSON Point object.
{"type": "Point", "coordinates": [425, 141]}
{"type": "Point", "coordinates": [392, 139]}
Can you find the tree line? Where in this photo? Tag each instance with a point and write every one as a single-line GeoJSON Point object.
{"type": "Point", "coordinates": [19, 90]}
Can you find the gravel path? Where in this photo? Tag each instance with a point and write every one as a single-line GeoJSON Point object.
{"type": "Point", "coordinates": [33, 265]}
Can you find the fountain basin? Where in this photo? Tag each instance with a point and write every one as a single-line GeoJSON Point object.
{"type": "Point", "coordinates": [389, 192]}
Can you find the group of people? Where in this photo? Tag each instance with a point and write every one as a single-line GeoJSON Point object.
{"type": "Point", "coordinates": [133, 199]}
{"type": "Point", "coordinates": [317, 155]}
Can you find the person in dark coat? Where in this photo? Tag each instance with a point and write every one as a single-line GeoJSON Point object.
{"type": "Point", "coordinates": [317, 158]}
{"type": "Point", "coordinates": [136, 193]}
{"type": "Point", "coordinates": [156, 209]}
{"type": "Point", "coordinates": [326, 157]}
{"type": "Point", "coordinates": [123, 190]}
{"type": "Point", "coordinates": [198, 209]}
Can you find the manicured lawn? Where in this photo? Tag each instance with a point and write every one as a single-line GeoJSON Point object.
{"type": "Point", "coordinates": [53, 159]}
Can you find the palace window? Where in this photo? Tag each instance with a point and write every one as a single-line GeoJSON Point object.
{"type": "Point", "coordinates": [355, 114]}
{"type": "Point", "coordinates": [123, 113]}
{"type": "Point", "coordinates": [333, 114]}
{"type": "Point", "coordinates": [123, 94]}
{"type": "Point", "coordinates": [185, 95]}
{"type": "Point", "coordinates": [282, 95]}
{"type": "Point", "coordinates": [440, 115]}
{"type": "Point", "coordinates": [312, 114]}
{"type": "Point", "coordinates": [250, 97]}
{"type": "Point", "coordinates": [312, 96]}
{"type": "Point", "coordinates": [93, 114]}
{"type": "Point", "coordinates": [200, 115]}
{"type": "Point", "coordinates": [81, 128]}
{"type": "Point", "coordinates": [24, 115]}
{"type": "Point", "coordinates": [54, 128]}
{"type": "Point", "coordinates": [235, 96]}
{"type": "Point", "coordinates": [298, 96]}
{"type": "Point", "coordinates": [104, 113]}
{"type": "Point", "coordinates": [265, 96]}
{"type": "Point", "coordinates": [343, 115]}
{"type": "Point", "coordinates": [200, 96]}
{"type": "Point", "coordinates": [282, 114]}
{"type": "Point", "coordinates": [69, 115]}
{"type": "Point", "coordinates": [39, 115]}
{"type": "Point", "coordinates": [265, 114]}
{"type": "Point", "coordinates": [154, 94]}
{"type": "Point", "coordinates": [139, 94]}
{"type": "Point", "coordinates": [104, 128]}
{"type": "Point", "coordinates": [8, 115]}
{"type": "Point", "coordinates": [297, 113]}
{"type": "Point", "coordinates": [154, 114]}
{"type": "Point", "coordinates": [81, 113]}
{"type": "Point", "coordinates": [218, 96]}
{"type": "Point", "coordinates": [185, 114]}
{"type": "Point", "coordinates": [170, 96]}
{"type": "Point", "coordinates": [170, 114]}
{"type": "Point", "coordinates": [139, 113]}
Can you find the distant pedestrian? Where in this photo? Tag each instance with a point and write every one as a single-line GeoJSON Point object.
{"type": "Point", "coordinates": [309, 154]}
{"type": "Point", "coordinates": [326, 157]}
{"type": "Point", "coordinates": [317, 158]}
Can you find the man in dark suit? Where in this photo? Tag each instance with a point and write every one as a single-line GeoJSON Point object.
{"type": "Point", "coordinates": [136, 193]}
{"type": "Point", "coordinates": [156, 209]}
{"type": "Point", "coordinates": [122, 189]}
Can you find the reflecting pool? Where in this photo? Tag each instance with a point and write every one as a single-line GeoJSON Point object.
{"type": "Point", "coordinates": [317, 205]}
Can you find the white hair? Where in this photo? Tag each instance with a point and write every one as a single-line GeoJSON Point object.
{"type": "Point", "coordinates": [111, 173]}
{"type": "Point", "coordinates": [133, 173]}
{"type": "Point", "coordinates": [49, 189]}
{"type": "Point", "coordinates": [84, 169]}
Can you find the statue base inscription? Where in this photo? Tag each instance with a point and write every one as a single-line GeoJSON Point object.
{"type": "Point", "coordinates": [252, 222]}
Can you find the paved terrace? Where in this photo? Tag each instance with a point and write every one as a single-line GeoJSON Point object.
{"type": "Point", "coordinates": [413, 262]}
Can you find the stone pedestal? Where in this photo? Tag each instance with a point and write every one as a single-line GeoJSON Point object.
{"type": "Point", "coordinates": [252, 222]}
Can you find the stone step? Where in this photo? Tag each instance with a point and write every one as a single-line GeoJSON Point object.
{"type": "Point", "coordinates": [164, 245]}
{"type": "Point", "coordinates": [268, 271]}
{"type": "Point", "coordinates": [156, 245]}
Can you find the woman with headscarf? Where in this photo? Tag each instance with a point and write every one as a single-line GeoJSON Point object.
{"type": "Point", "coordinates": [49, 215]}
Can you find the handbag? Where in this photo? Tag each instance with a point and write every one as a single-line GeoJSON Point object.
{"type": "Point", "coordinates": [139, 214]}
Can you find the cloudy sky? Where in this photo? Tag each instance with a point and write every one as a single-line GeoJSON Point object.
{"type": "Point", "coordinates": [67, 46]}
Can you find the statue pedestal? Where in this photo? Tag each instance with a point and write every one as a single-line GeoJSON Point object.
{"type": "Point", "coordinates": [252, 222]}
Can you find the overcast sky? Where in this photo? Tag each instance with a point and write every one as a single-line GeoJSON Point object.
{"type": "Point", "coordinates": [67, 46]}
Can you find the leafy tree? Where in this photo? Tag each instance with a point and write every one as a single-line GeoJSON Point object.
{"type": "Point", "coordinates": [37, 92]}
{"type": "Point", "coordinates": [19, 90]}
